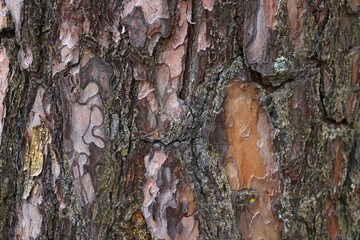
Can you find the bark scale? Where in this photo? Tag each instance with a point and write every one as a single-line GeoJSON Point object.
{"type": "Point", "coordinates": [164, 119]}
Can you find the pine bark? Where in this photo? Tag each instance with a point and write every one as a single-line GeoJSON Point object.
{"type": "Point", "coordinates": [179, 119]}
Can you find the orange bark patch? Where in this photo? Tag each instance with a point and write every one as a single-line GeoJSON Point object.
{"type": "Point", "coordinates": [241, 112]}
{"type": "Point", "coordinates": [332, 223]}
{"type": "Point", "coordinates": [250, 161]}
{"type": "Point", "coordinates": [137, 216]}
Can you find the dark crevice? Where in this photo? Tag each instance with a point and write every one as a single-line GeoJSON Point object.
{"type": "Point", "coordinates": [266, 84]}
{"type": "Point", "coordinates": [353, 161]}
{"type": "Point", "coordinates": [133, 101]}
{"type": "Point", "coordinates": [188, 57]}
{"type": "Point", "coordinates": [161, 143]}
{"type": "Point", "coordinates": [7, 33]}
{"type": "Point", "coordinates": [262, 81]}
{"type": "Point", "coordinates": [323, 114]}
{"type": "Point", "coordinates": [320, 12]}
{"type": "Point", "coordinates": [265, 81]}
{"type": "Point", "coordinates": [335, 123]}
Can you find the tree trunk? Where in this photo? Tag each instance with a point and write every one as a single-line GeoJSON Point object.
{"type": "Point", "coordinates": [179, 119]}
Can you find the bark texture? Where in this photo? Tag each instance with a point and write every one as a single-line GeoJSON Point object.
{"type": "Point", "coordinates": [179, 119]}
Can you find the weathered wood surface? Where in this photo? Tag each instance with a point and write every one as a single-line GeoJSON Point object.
{"type": "Point", "coordinates": [164, 119]}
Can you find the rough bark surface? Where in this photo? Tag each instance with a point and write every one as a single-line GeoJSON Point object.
{"type": "Point", "coordinates": [179, 119]}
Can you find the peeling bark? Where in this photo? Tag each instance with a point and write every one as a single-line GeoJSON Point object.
{"type": "Point", "coordinates": [154, 119]}
{"type": "Point", "coordinates": [251, 162]}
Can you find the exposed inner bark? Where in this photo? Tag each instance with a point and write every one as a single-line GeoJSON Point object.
{"type": "Point", "coordinates": [163, 119]}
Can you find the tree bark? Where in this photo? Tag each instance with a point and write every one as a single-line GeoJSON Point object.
{"type": "Point", "coordinates": [179, 119]}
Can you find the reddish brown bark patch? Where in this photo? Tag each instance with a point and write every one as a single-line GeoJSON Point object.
{"type": "Point", "coordinates": [338, 165]}
{"type": "Point", "coordinates": [296, 15]}
{"type": "Point", "coordinates": [138, 27]}
{"type": "Point", "coordinates": [203, 41]}
{"type": "Point", "coordinates": [4, 72]}
{"type": "Point", "coordinates": [355, 5]}
{"type": "Point", "coordinates": [271, 7]}
{"type": "Point", "coordinates": [158, 103]}
{"type": "Point", "coordinates": [3, 19]}
{"type": "Point", "coordinates": [352, 101]}
{"type": "Point", "coordinates": [332, 223]}
{"type": "Point", "coordinates": [147, 21]}
{"type": "Point", "coordinates": [168, 204]}
{"type": "Point", "coordinates": [134, 173]}
{"type": "Point", "coordinates": [259, 35]}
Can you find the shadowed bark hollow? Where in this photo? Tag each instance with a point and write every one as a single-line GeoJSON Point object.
{"type": "Point", "coordinates": [179, 119]}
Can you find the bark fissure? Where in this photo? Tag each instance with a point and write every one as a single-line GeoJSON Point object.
{"type": "Point", "coordinates": [180, 119]}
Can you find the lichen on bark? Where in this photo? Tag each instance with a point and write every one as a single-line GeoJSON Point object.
{"type": "Point", "coordinates": [179, 119]}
